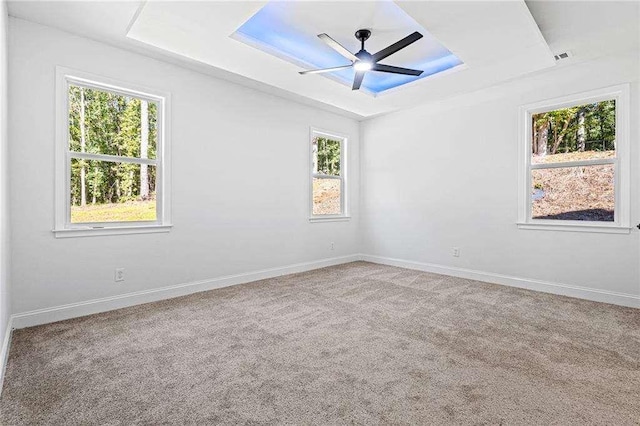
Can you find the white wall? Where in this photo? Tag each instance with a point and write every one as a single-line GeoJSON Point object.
{"type": "Point", "coordinates": [5, 305]}
{"type": "Point", "coordinates": [240, 179]}
{"type": "Point", "coordinates": [433, 177]}
{"type": "Point", "coordinates": [445, 175]}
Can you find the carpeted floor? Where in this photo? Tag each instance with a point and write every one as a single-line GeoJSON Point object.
{"type": "Point", "coordinates": [357, 343]}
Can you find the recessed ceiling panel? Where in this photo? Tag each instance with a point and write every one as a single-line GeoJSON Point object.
{"type": "Point", "coordinates": [289, 31]}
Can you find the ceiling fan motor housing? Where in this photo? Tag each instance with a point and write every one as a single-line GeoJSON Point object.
{"type": "Point", "coordinates": [365, 56]}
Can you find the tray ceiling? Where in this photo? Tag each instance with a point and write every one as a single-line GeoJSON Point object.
{"type": "Point", "coordinates": [472, 31]}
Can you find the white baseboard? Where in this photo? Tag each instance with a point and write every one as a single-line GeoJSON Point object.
{"type": "Point", "coordinates": [73, 310]}
{"type": "Point", "coordinates": [4, 352]}
{"type": "Point", "coordinates": [596, 295]}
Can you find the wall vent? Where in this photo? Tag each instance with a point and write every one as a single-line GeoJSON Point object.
{"type": "Point", "coordinates": [563, 55]}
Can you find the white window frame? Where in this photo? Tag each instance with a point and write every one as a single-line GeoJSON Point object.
{"type": "Point", "coordinates": [63, 228]}
{"type": "Point", "coordinates": [343, 216]}
{"type": "Point", "coordinates": [621, 163]}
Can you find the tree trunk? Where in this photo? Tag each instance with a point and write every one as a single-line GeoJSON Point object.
{"type": "Point", "coordinates": [580, 141]}
{"type": "Point", "coordinates": [130, 184]}
{"type": "Point", "coordinates": [534, 138]}
{"type": "Point", "coordinates": [543, 139]}
{"type": "Point", "coordinates": [604, 141]}
{"type": "Point", "coordinates": [558, 141]}
{"type": "Point", "coordinates": [144, 146]}
{"type": "Point", "coordinates": [83, 145]}
{"type": "Point", "coordinates": [314, 156]}
{"type": "Point", "coordinates": [95, 184]}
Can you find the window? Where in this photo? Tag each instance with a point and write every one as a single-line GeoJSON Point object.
{"type": "Point", "coordinates": [111, 171]}
{"type": "Point", "coordinates": [328, 200]}
{"type": "Point", "coordinates": [575, 153]}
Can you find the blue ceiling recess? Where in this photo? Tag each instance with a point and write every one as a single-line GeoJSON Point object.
{"type": "Point", "coordinates": [270, 30]}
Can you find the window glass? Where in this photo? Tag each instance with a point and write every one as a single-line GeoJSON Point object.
{"type": "Point", "coordinates": [574, 193]}
{"type": "Point", "coordinates": [573, 161]}
{"type": "Point", "coordinates": [327, 189]}
{"type": "Point", "coordinates": [576, 133]}
{"type": "Point", "coordinates": [103, 125]}
{"type": "Point", "coordinates": [115, 192]}
{"type": "Point", "coordinates": [326, 156]}
{"type": "Point", "coordinates": [326, 196]}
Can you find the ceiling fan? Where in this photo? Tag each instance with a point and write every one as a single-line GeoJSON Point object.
{"type": "Point", "coordinates": [364, 61]}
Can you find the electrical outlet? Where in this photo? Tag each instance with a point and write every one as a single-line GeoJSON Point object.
{"type": "Point", "coordinates": [455, 252]}
{"type": "Point", "coordinates": [332, 245]}
{"type": "Point", "coordinates": [119, 275]}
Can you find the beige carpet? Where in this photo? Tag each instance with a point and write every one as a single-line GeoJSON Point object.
{"type": "Point", "coordinates": [353, 344]}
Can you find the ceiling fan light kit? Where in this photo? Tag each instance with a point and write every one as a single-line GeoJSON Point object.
{"type": "Point", "coordinates": [364, 61]}
{"type": "Point", "coordinates": [362, 66]}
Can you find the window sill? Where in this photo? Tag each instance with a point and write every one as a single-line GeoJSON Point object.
{"type": "Point", "coordinates": [115, 230]}
{"type": "Point", "coordinates": [602, 229]}
{"type": "Point", "coordinates": [330, 219]}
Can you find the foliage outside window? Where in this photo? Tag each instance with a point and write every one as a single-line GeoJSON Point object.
{"type": "Point", "coordinates": [327, 163]}
{"type": "Point", "coordinates": [574, 161]}
{"type": "Point", "coordinates": [113, 167]}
